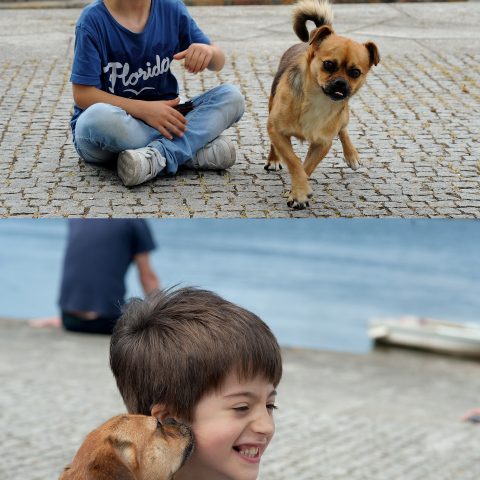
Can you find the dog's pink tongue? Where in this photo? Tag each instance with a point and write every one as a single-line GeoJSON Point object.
{"type": "Point", "coordinates": [339, 94]}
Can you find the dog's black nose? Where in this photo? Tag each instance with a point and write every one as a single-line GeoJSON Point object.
{"type": "Point", "coordinates": [339, 84]}
{"type": "Point", "coordinates": [338, 89]}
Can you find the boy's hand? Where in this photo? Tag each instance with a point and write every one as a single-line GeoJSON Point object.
{"type": "Point", "coordinates": [197, 57]}
{"type": "Point", "coordinates": [159, 114]}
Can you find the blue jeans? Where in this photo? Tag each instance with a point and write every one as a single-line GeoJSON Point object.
{"type": "Point", "coordinates": [73, 323]}
{"type": "Point", "coordinates": [102, 131]}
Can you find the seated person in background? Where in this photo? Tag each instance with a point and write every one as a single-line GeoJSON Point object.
{"type": "Point", "coordinates": [98, 255]}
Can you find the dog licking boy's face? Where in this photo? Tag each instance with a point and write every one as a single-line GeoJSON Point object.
{"type": "Point", "coordinates": [132, 447]}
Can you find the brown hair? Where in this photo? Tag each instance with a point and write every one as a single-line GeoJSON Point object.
{"type": "Point", "coordinates": [177, 345]}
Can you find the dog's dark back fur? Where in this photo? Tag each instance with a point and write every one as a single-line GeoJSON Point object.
{"type": "Point", "coordinates": [289, 62]}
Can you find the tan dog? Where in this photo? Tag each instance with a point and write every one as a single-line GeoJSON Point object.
{"type": "Point", "coordinates": [132, 447]}
{"type": "Point", "coordinates": [310, 93]}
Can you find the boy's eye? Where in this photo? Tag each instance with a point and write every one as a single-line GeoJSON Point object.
{"type": "Point", "coordinates": [271, 407]}
{"type": "Point", "coordinates": [243, 408]}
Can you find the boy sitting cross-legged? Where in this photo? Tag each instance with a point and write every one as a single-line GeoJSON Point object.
{"type": "Point", "coordinates": [193, 356]}
{"type": "Point", "coordinates": [126, 97]}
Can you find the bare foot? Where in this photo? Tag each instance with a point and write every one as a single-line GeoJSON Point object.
{"type": "Point", "coordinates": [48, 322]}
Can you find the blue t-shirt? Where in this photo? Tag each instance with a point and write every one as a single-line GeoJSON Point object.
{"type": "Point", "coordinates": [98, 254]}
{"type": "Point", "coordinates": [132, 65]}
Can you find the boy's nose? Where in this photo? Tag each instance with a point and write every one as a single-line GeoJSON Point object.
{"type": "Point", "coordinates": [264, 424]}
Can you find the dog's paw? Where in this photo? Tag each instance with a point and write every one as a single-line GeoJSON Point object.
{"type": "Point", "coordinates": [353, 160]}
{"type": "Point", "coordinates": [273, 166]}
{"type": "Point", "coordinates": [298, 205]}
{"type": "Point", "coordinates": [299, 202]}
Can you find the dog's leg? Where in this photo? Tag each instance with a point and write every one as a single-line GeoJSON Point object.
{"type": "Point", "coordinates": [301, 190]}
{"type": "Point", "coordinates": [349, 151]}
{"type": "Point", "coordinates": [273, 162]}
{"type": "Point", "coordinates": [316, 153]}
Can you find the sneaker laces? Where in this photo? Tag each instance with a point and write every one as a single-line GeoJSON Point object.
{"type": "Point", "coordinates": [155, 160]}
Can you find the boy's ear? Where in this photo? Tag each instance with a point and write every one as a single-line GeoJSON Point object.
{"type": "Point", "coordinates": [160, 411]}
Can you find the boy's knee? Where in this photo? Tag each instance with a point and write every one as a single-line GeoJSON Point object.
{"type": "Point", "coordinates": [91, 153]}
{"type": "Point", "coordinates": [232, 97]}
{"type": "Point", "coordinates": [99, 117]}
{"type": "Point", "coordinates": [235, 98]}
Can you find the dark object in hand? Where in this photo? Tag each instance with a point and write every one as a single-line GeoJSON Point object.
{"type": "Point", "coordinates": [184, 108]}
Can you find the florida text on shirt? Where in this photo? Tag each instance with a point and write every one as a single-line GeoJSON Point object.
{"type": "Point", "coordinates": [121, 72]}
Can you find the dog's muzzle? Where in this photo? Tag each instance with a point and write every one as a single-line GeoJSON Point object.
{"type": "Point", "coordinates": [337, 89]}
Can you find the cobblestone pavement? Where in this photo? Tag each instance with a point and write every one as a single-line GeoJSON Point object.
{"type": "Point", "coordinates": [384, 415]}
{"type": "Point", "coordinates": [415, 123]}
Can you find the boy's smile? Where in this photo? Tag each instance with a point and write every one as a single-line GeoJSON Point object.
{"type": "Point", "coordinates": [233, 427]}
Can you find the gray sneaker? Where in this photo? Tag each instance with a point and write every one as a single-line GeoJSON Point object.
{"type": "Point", "coordinates": [219, 154]}
{"type": "Point", "coordinates": [137, 166]}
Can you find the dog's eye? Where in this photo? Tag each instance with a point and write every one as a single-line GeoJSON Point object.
{"type": "Point", "coordinates": [354, 72]}
{"type": "Point", "coordinates": [329, 66]}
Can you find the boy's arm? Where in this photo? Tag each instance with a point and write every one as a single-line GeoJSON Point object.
{"type": "Point", "coordinates": [218, 59]}
{"type": "Point", "coordinates": [199, 56]}
{"type": "Point", "coordinates": [147, 276]}
{"type": "Point", "coordinates": [158, 114]}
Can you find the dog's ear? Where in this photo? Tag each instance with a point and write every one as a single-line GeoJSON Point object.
{"type": "Point", "coordinates": [373, 53]}
{"type": "Point", "coordinates": [318, 35]}
{"type": "Point", "coordinates": [125, 452]}
{"type": "Point", "coordinates": [66, 473]}
{"type": "Point", "coordinates": [116, 474]}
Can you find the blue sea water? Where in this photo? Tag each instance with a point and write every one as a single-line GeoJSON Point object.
{"type": "Point", "coordinates": [315, 282]}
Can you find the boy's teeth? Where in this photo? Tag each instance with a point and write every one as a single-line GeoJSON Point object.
{"type": "Point", "coordinates": [250, 452]}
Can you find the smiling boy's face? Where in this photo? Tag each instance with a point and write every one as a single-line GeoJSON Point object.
{"type": "Point", "coordinates": [232, 426]}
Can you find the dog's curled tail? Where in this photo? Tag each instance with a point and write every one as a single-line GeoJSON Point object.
{"type": "Point", "coordinates": [318, 11]}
